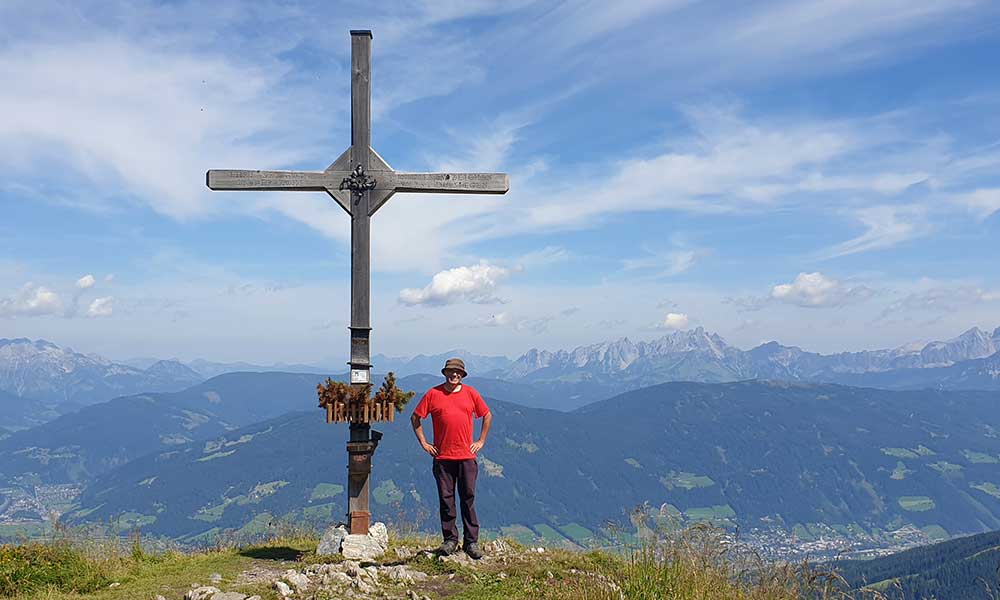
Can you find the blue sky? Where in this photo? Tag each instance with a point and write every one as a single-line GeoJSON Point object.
{"type": "Point", "coordinates": [821, 173]}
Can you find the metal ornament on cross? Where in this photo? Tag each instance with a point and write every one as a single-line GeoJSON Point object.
{"type": "Point", "coordinates": [360, 182]}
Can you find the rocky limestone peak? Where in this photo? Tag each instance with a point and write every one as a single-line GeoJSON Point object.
{"type": "Point", "coordinates": [608, 356]}
{"type": "Point", "coordinates": [693, 340]}
{"type": "Point", "coordinates": [974, 343]}
{"type": "Point", "coordinates": [530, 361]}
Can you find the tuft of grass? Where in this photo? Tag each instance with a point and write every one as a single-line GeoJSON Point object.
{"type": "Point", "coordinates": [34, 566]}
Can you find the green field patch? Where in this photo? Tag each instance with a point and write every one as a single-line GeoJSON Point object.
{"type": "Point", "coordinates": [710, 513]}
{"type": "Point", "coordinates": [528, 447]}
{"type": "Point", "coordinates": [326, 490]}
{"type": "Point", "coordinates": [987, 487]}
{"type": "Point", "coordinates": [492, 469]}
{"type": "Point", "coordinates": [915, 503]}
{"type": "Point", "coordinates": [258, 525]}
{"type": "Point", "coordinates": [215, 445]}
{"type": "Point", "coordinates": [579, 534]}
{"type": "Point", "coordinates": [935, 532]}
{"type": "Point", "coordinates": [194, 420]}
{"type": "Point", "coordinates": [520, 533]}
{"type": "Point", "coordinates": [900, 472]}
{"type": "Point", "coordinates": [899, 452]}
{"type": "Point", "coordinates": [387, 492]}
{"type": "Point", "coordinates": [86, 511]}
{"type": "Point", "coordinates": [212, 514]}
{"type": "Point", "coordinates": [174, 439]}
{"type": "Point", "coordinates": [946, 468]}
{"type": "Point", "coordinates": [261, 491]}
{"type": "Point", "coordinates": [800, 531]}
{"type": "Point", "coordinates": [685, 480]}
{"type": "Point", "coordinates": [201, 538]}
{"type": "Point", "coordinates": [633, 462]}
{"type": "Point", "coordinates": [215, 456]}
{"type": "Point", "coordinates": [549, 534]}
{"type": "Point", "coordinates": [669, 510]}
{"type": "Point", "coordinates": [318, 512]}
{"type": "Point", "coordinates": [15, 532]}
{"type": "Point", "coordinates": [979, 457]}
{"type": "Point", "coordinates": [130, 520]}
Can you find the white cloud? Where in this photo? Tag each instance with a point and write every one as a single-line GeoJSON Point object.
{"type": "Point", "coordinates": [664, 264]}
{"type": "Point", "coordinates": [675, 321]}
{"type": "Point", "coordinates": [474, 283]}
{"type": "Point", "coordinates": [544, 257]}
{"type": "Point", "coordinates": [501, 319]}
{"type": "Point", "coordinates": [85, 282]}
{"type": "Point", "coordinates": [101, 307]}
{"type": "Point", "coordinates": [886, 226]}
{"type": "Point", "coordinates": [815, 290]}
{"type": "Point", "coordinates": [504, 319]}
{"type": "Point", "coordinates": [941, 298]}
{"type": "Point", "coordinates": [30, 301]}
{"type": "Point", "coordinates": [981, 202]}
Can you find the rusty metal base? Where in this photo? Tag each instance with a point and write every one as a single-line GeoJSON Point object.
{"type": "Point", "coordinates": [360, 521]}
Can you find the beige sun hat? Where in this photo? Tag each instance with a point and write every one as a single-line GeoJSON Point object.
{"type": "Point", "coordinates": [455, 363]}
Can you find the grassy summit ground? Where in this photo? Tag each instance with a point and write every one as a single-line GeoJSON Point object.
{"type": "Point", "coordinates": [693, 565]}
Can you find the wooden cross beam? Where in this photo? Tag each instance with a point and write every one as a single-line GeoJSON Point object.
{"type": "Point", "coordinates": [361, 183]}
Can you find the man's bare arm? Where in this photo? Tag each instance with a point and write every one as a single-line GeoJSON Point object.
{"type": "Point", "coordinates": [478, 444]}
{"type": "Point", "coordinates": [418, 429]}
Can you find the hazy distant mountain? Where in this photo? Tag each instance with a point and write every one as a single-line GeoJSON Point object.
{"type": "Point", "coordinates": [64, 379]}
{"type": "Point", "coordinates": [211, 369]}
{"type": "Point", "coordinates": [75, 447]}
{"type": "Point", "coordinates": [475, 364]}
{"type": "Point", "coordinates": [977, 374]}
{"type": "Point", "coordinates": [756, 454]}
{"type": "Point", "coordinates": [698, 355]}
{"type": "Point", "coordinates": [18, 413]}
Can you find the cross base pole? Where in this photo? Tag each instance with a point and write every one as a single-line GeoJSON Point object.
{"type": "Point", "coordinates": [360, 449]}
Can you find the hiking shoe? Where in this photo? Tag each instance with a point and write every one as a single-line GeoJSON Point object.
{"type": "Point", "coordinates": [473, 550]}
{"type": "Point", "coordinates": [448, 547]}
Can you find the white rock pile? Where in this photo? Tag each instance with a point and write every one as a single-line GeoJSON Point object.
{"type": "Point", "coordinates": [368, 546]}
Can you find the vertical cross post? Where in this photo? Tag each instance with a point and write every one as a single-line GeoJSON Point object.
{"type": "Point", "coordinates": [360, 447]}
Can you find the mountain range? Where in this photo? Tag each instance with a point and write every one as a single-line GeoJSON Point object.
{"type": "Point", "coordinates": [796, 457]}
{"type": "Point", "coordinates": [50, 380]}
{"type": "Point", "coordinates": [698, 355]}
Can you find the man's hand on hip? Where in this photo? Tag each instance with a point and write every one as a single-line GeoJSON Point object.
{"type": "Point", "coordinates": [476, 446]}
{"type": "Point", "coordinates": [430, 449]}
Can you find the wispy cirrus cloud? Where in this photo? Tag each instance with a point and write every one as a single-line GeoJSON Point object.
{"type": "Point", "coordinates": [885, 227]}
{"type": "Point", "coordinates": [940, 298]}
{"type": "Point", "coordinates": [981, 202]}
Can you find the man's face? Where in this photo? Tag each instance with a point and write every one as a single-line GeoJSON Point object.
{"type": "Point", "coordinates": [454, 376]}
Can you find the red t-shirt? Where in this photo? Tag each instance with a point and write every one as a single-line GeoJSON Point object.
{"type": "Point", "coordinates": [452, 417]}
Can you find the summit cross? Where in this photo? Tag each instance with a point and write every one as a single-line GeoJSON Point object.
{"type": "Point", "coordinates": [361, 182]}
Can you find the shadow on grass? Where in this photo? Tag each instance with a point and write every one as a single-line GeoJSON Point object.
{"type": "Point", "coordinates": [274, 553]}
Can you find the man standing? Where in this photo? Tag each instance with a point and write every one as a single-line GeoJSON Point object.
{"type": "Point", "coordinates": [452, 406]}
